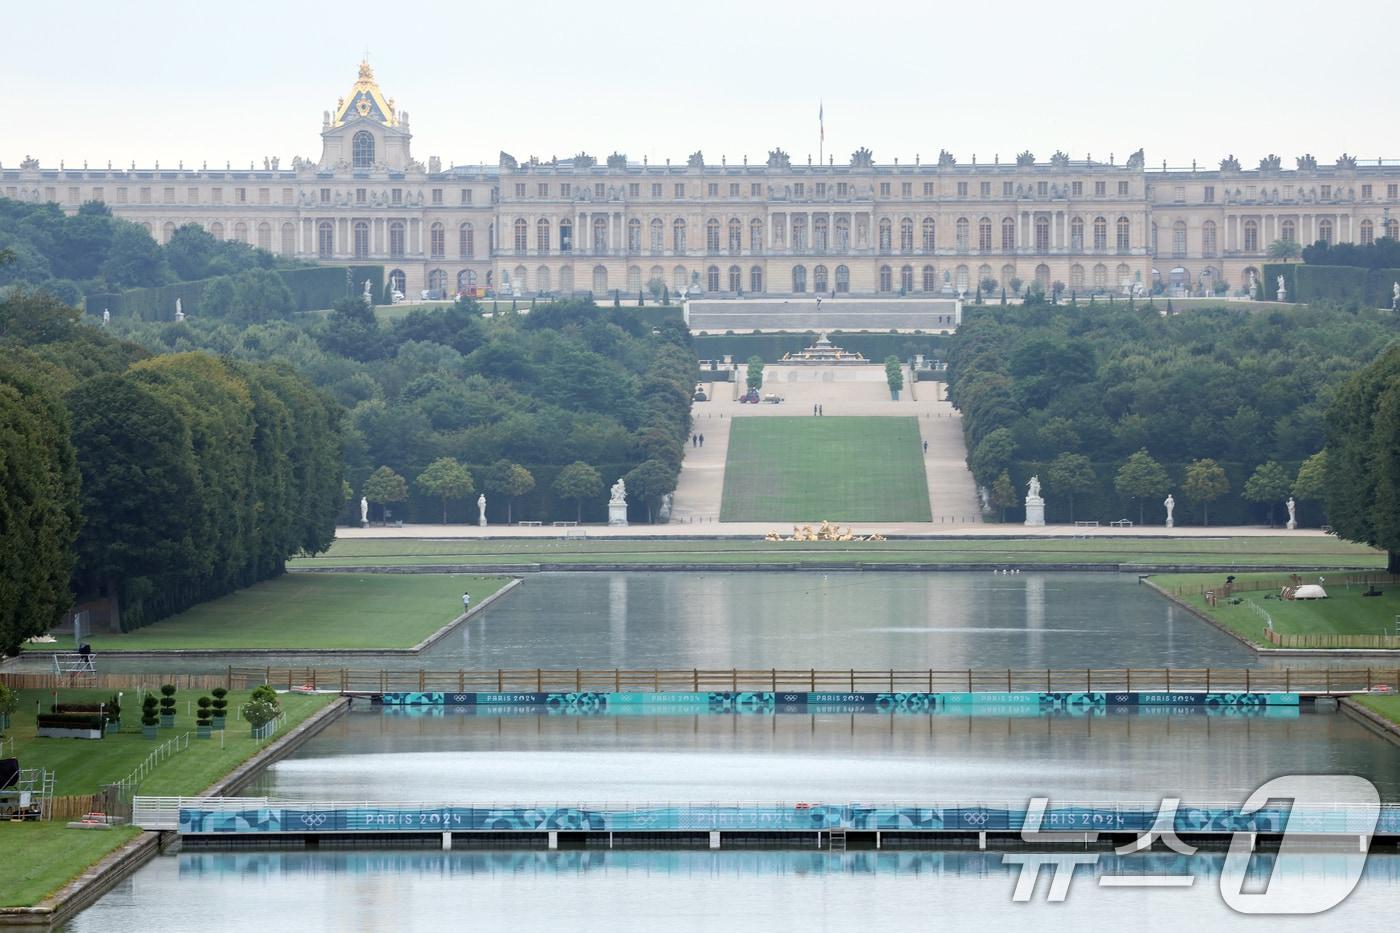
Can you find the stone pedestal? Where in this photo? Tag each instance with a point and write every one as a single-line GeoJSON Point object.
{"type": "Point", "coordinates": [1291, 524]}
{"type": "Point", "coordinates": [617, 514]}
{"type": "Point", "coordinates": [1035, 512]}
{"type": "Point", "coordinates": [1171, 523]}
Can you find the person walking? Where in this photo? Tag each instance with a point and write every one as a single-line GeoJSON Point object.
{"type": "Point", "coordinates": [814, 409]}
{"type": "Point", "coordinates": [821, 410]}
{"type": "Point", "coordinates": [925, 446]}
{"type": "Point", "coordinates": [466, 602]}
{"type": "Point", "coordinates": [702, 440]}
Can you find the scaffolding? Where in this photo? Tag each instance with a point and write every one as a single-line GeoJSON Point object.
{"type": "Point", "coordinates": [77, 668]}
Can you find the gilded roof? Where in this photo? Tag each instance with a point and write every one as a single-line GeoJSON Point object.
{"type": "Point", "coordinates": [365, 100]}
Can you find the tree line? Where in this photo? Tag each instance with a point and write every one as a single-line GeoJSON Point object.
{"type": "Point", "coordinates": [1116, 406]}
{"type": "Point", "coordinates": [153, 482]}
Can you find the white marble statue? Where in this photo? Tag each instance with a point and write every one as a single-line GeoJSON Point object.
{"type": "Point", "coordinates": [1395, 297]}
{"type": "Point", "coordinates": [481, 510]}
{"type": "Point", "coordinates": [179, 310]}
{"type": "Point", "coordinates": [619, 493]}
{"type": "Point", "coordinates": [367, 291]}
{"type": "Point", "coordinates": [1253, 286]}
{"type": "Point", "coordinates": [106, 316]}
{"type": "Point", "coordinates": [364, 511]}
{"type": "Point", "coordinates": [1282, 290]}
{"type": "Point", "coordinates": [1035, 506]}
{"type": "Point", "coordinates": [1292, 513]}
{"type": "Point", "coordinates": [1033, 488]}
{"type": "Point", "coordinates": [1170, 504]}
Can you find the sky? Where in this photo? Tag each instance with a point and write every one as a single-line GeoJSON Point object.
{"type": "Point", "coordinates": [149, 80]}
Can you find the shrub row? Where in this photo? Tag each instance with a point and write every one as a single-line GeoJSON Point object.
{"type": "Point", "coordinates": [313, 289]}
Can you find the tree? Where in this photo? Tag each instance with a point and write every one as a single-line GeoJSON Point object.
{"type": "Point", "coordinates": [1204, 483]}
{"type": "Point", "coordinates": [385, 486]}
{"type": "Point", "coordinates": [894, 374]}
{"type": "Point", "coordinates": [754, 378]}
{"type": "Point", "coordinates": [1070, 474]}
{"type": "Point", "coordinates": [445, 479]}
{"type": "Point", "coordinates": [1311, 482]}
{"type": "Point", "coordinates": [1268, 484]}
{"type": "Point", "coordinates": [578, 481]}
{"type": "Point", "coordinates": [649, 481]}
{"type": "Point", "coordinates": [1284, 250]}
{"type": "Point", "coordinates": [1140, 477]}
{"type": "Point", "coordinates": [133, 258]}
{"type": "Point", "coordinates": [1004, 494]}
{"type": "Point", "coordinates": [992, 455]}
{"type": "Point", "coordinates": [509, 480]}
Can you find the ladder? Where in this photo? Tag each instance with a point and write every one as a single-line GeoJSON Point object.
{"type": "Point", "coordinates": [836, 840]}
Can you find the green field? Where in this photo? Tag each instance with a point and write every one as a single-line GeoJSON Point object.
{"type": "Point", "coordinates": [1344, 612]}
{"type": "Point", "coordinates": [1389, 707]}
{"type": "Point", "coordinates": [1293, 551]}
{"type": "Point", "coordinates": [53, 854]}
{"type": "Point", "coordinates": [315, 611]}
{"type": "Point", "coordinates": [815, 469]}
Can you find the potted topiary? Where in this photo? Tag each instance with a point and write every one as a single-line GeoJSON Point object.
{"type": "Point", "coordinates": [167, 706]}
{"type": "Point", "coordinates": [113, 712]}
{"type": "Point", "coordinates": [220, 707]}
{"type": "Point", "coordinates": [150, 721]}
{"type": "Point", "coordinates": [9, 699]}
{"type": "Point", "coordinates": [204, 719]}
{"type": "Point", "coordinates": [259, 712]}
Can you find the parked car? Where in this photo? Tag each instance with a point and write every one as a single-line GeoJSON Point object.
{"type": "Point", "coordinates": [749, 398]}
{"type": "Point", "coordinates": [773, 398]}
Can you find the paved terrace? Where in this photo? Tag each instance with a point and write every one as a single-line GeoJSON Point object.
{"type": "Point", "coordinates": [875, 314]}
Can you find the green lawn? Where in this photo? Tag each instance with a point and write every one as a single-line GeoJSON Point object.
{"type": "Point", "coordinates": [53, 854]}
{"type": "Point", "coordinates": [314, 611]}
{"type": "Point", "coordinates": [810, 469]}
{"type": "Point", "coordinates": [1128, 553]}
{"type": "Point", "coordinates": [1389, 707]}
{"type": "Point", "coordinates": [1344, 612]}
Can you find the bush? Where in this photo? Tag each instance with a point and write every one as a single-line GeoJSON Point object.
{"type": "Point", "coordinates": [167, 699]}
{"type": "Point", "coordinates": [264, 693]}
{"type": "Point", "coordinates": [70, 721]}
{"type": "Point", "coordinates": [9, 699]}
{"type": "Point", "coordinates": [149, 716]}
{"type": "Point", "coordinates": [260, 712]}
{"type": "Point", "coordinates": [220, 702]}
{"type": "Point", "coordinates": [206, 713]}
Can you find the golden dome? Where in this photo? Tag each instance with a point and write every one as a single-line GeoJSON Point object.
{"type": "Point", "coordinates": [365, 100]}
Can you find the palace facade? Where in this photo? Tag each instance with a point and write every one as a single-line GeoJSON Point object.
{"type": "Point", "coordinates": [777, 228]}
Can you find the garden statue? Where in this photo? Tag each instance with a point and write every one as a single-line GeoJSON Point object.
{"type": "Point", "coordinates": [1395, 297]}
{"type": "Point", "coordinates": [617, 505]}
{"type": "Point", "coordinates": [1033, 488]}
{"type": "Point", "coordinates": [481, 510]}
{"type": "Point", "coordinates": [1170, 503]}
{"type": "Point", "coordinates": [1282, 291]}
{"type": "Point", "coordinates": [1292, 513]}
{"type": "Point", "coordinates": [367, 291]}
{"type": "Point", "coordinates": [619, 492]}
{"type": "Point", "coordinates": [1035, 506]}
{"type": "Point", "coordinates": [1253, 286]}
{"type": "Point", "coordinates": [364, 511]}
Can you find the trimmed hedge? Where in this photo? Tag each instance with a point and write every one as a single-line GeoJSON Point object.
{"type": "Point", "coordinates": [312, 289]}
{"type": "Point", "coordinates": [1346, 285]}
{"type": "Point", "coordinates": [70, 721]}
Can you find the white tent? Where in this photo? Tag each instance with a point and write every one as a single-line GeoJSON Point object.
{"type": "Point", "coordinates": [1310, 591]}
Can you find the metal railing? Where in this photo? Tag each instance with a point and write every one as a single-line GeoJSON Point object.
{"type": "Point", "coordinates": [268, 729]}
{"type": "Point", "coordinates": [161, 753]}
{"type": "Point", "coordinates": [810, 680]}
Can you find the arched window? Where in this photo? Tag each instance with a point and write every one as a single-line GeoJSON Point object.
{"type": "Point", "coordinates": [712, 278]}
{"type": "Point", "coordinates": [799, 279]}
{"type": "Point", "coordinates": [240, 232]}
{"type": "Point", "coordinates": [1008, 235]}
{"type": "Point", "coordinates": [984, 235]}
{"type": "Point", "coordinates": [466, 241]}
{"type": "Point", "coordinates": [1042, 276]}
{"type": "Point", "coordinates": [906, 279]}
{"type": "Point", "coordinates": [843, 234]}
{"type": "Point", "coordinates": [930, 279]}
{"type": "Point", "coordinates": [147, 228]}
{"type": "Point", "coordinates": [756, 236]}
{"type": "Point", "coordinates": [600, 236]}
{"type": "Point", "coordinates": [1076, 277]}
{"type": "Point", "coordinates": [962, 234]}
{"type": "Point", "coordinates": [600, 280]}
{"type": "Point", "coordinates": [1251, 236]}
{"type": "Point", "coordinates": [289, 239]}
{"type": "Point", "coordinates": [736, 279]}
{"type": "Point", "coordinates": [1125, 275]}
{"type": "Point", "coordinates": [930, 239]}
{"type": "Point", "coordinates": [679, 279]}
{"type": "Point", "coordinates": [1208, 244]}
{"type": "Point", "coordinates": [361, 239]}
{"type": "Point", "coordinates": [362, 150]}
{"type": "Point", "coordinates": [1179, 239]}
{"type": "Point", "coordinates": [799, 234]}
{"type": "Point", "coordinates": [984, 274]}
{"type": "Point", "coordinates": [1288, 230]}
{"type": "Point", "coordinates": [658, 236]}
{"type": "Point", "coordinates": [1076, 235]}
{"type": "Point", "coordinates": [542, 279]}
{"type": "Point", "coordinates": [437, 283]}
{"type": "Point", "coordinates": [960, 279]}
{"type": "Point", "coordinates": [325, 238]}
{"type": "Point", "coordinates": [843, 280]}
{"type": "Point", "coordinates": [1008, 272]}
{"type": "Point", "coordinates": [265, 236]}
{"type": "Point", "coordinates": [886, 236]}
{"type": "Point", "coordinates": [634, 236]}
{"type": "Point", "coordinates": [1392, 229]}
{"type": "Point", "coordinates": [819, 283]}
{"type": "Point", "coordinates": [566, 244]}
{"type": "Point", "coordinates": [1100, 276]}
{"type": "Point", "coordinates": [736, 238]}
{"type": "Point", "coordinates": [519, 278]}
{"type": "Point", "coordinates": [566, 276]}
{"type": "Point", "coordinates": [1100, 234]}
{"type": "Point", "coordinates": [1042, 234]}
{"type": "Point", "coordinates": [820, 233]}
{"type": "Point", "coordinates": [398, 282]}
{"type": "Point", "coordinates": [396, 239]}
{"type": "Point", "coordinates": [886, 279]}
{"type": "Point", "coordinates": [634, 275]}
{"type": "Point", "coordinates": [756, 280]}
{"type": "Point", "coordinates": [542, 237]}
{"type": "Point", "coordinates": [678, 237]}
{"type": "Point", "coordinates": [1124, 243]}
{"type": "Point", "coordinates": [167, 231]}
{"type": "Point", "coordinates": [656, 274]}
{"type": "Point", "coordinates": [1324, 231]}
{"type": "Point", "coordinates": [712, 237]}
{"type": "Point", "coordinates": [437, 241]}
{"type": "Point", "coordinates": [906, 235]}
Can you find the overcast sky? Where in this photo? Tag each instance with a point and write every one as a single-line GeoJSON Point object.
{"type": "Point", "coordinates": [167, 81]}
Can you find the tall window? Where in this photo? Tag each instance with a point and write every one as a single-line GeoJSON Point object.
{"type": "Point", "coordinates": [984, 235]}
{"type": "Point", "coordinates": [736, 238]}
{"type": "Point", "coordinates": [1076, 235]}
{"type": "Point", "coordinates": [265, 236]}
{"type": "Point", "coordinates": [1008, 235]}
{"type": "Point", "coordinates": [755, 237]}
{"type": "Point", "coordinates": [466, 241]}
{"type": "Point", "coordinates": [736, 279]}
{"type": "Point", "coordinates": [240, 232]}
{"type": "Point", "coordinates": [843, 280]}
{"type": "Point", "coordinates": [886, 235]}
{"type": "Point", "coordinates": [886, 279]}
{"type": "Point", "coordinates": [396, 246]}
{"type": "Point", "coordinates": [1100, 276]}
{"type": "Point", "coordinates": [820, 233]}
{"type": "Point", "coordinates": [1123, 238]}
{"type": "Point", "coordinates": [437, 241]}
{"type": "Point", "coordinates": [1392, 229]}
{"type": "Point", "coordinates": [1208, 245]}
{"type": "Point", "coordinates": [906, 235]}
{"type": "Point", "coordinates": [541, 279]}
{"type": "Point", "coordinates": [600, 280]}
{"type": "Point", "coordinates": [361, 239]}
{"type": "Point", "coordinates": [1324, 231]}
{"type": "Point", "coordinates": [819, 279]}
{"type": "Point", "coordinates": [678, 236]}
{"type": "Point", "coordinates": [961, 234]}
{"type": "Point", "coordinates": [712, 238]}
{"type": "Point", "coordinates": [1076, 277]}
{"type": "Point", "coordinates": [658, 236]}
{"type": "Point", "coordinates": [799, 233]}
{"type": "Point", "coordinates": [1251, 236]}
{"type": "Point", "coordinates": [325, 239]}
{"type": "Point", "coordinates": [362, 150]}
{"type": "Point", "coordinates": [634, 236]}
{"type": "Point", "coordinates": [542, 237]}
{"type": "Point", "coordinates": [1179, 239]}
{"type": "Point", "coordinates": [756, 280]}
{"type": "Point", "coordinates": [1042, 234]}
{"type": "Point", "coordinates": [289, 239]}
{"type": "Point", "coordinates": [1100, 235]}
{"type": "Point", "coordinates": [799, 279]}
{"type": "Point", "coordinates": [566, 242]}
{"type": "Point", "coordinates": [600, 236]}
{"type": "Point", "coordinates": [930, 239]}
{"type": "Point", "coordinates": [522, 236]}
{"type": "Point", "coordinates": [906, 279]}
{"type": "Point", "coordinates": [712, 279]}
{"type": "Point", "coordinates": [930, 279]}
{"type": "Point", "coordinates": [1289, 231]}
{"type": "Point", "coordinates": [843, 234]}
